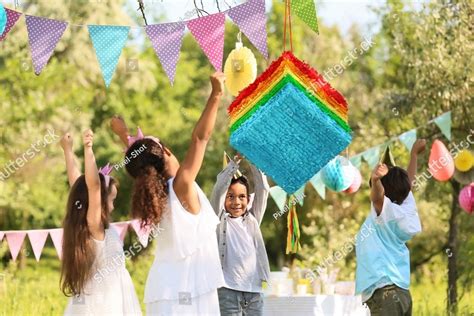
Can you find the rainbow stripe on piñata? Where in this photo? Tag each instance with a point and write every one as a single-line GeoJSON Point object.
{"type": "Point", "coordinates": [290, 122]}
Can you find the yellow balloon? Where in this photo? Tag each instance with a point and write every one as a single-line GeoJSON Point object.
{"type": "Point", "coordinates": [464, 160]}
{"type": "Point", "coordinates": [240, 69]}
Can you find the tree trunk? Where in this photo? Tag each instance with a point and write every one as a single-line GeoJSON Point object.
{"type": "Point", "coordinates": [452, 251]}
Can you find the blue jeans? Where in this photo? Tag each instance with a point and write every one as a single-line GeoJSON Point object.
{"type": "Point", "coordinates": [238, 303]}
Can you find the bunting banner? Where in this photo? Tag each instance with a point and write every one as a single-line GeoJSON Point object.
{"type": "Point", "coordinates": [15, 240]}
{"type": "Point", "coordinates": [306, 11]}
{"type": "Point", "coordinates": [166, 40]}
{"type": "Point", "coordinates": [444, 123]}
{"type": "Point", "coordinates": [209, 33]}
{"type": "Point", "coordinates": [318, 185]}
{"type": "Point", "coordinates": [408, 138]}
{"type": "Point", "coordinates": [251, 19]}
{"type": "Point", "coordinates": [43, 36]}
{"type": "Point", "coordinates": [57, 238]}
{"type": "Point", "coordinates": [108, 41]}
{"type": "Point", "coordinates": [12, 18]}
{"type": "Point", "coordinates": [279, 196]}
{"type": "Point", "coordinates": [372, 156]}
{"type": "Point", "coordinates": [356, 160]}
{"type": "Point", "coordinates": [1, 236]}
{"type": "Point", "coordinates": [299, 195]}
{"type": "Point", "coordinates": [142, 232]}
{"type": "Point", "coordinates": [37, 241]}
{"type": "Point", "coordinates": [3, 19]}
{"type": "Point", "coordinates": [121, 229]}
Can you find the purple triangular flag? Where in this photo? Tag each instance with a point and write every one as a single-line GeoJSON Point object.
{"type": "Point", "coordinates": [251, 19]}
{"type": "Point", "coordinates": [43, 35]}
{"type": "Point", "coordinates": [12, 17]}
{"type": "Point", "coordinates": [166, 39]}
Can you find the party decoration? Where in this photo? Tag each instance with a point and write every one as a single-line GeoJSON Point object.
{"type": "Point", "coordinates": [12, 17]}
{"type": "Point", "coordinates": [43, 35]}
{"type": "Point", "coordinates": [464, 177]}
{"type": "Point", "coordinates": [306, 11]}
{"type": "Point", "coordinates": [37, 240]}
{"type": "Point", "coordinates": [57, 238]}
{"type": "Point", "coordinates": [167, 39]}
{"type": "Point", "coordinates": [299, 195]}
{"type": "Point", "coordinates": [354, 187]}
{"type": "Point", "coordinates": [15, 240]}
{"type": "Point", "coordinates": [387, 157]}
{"type": "Point", "coordinates": [356, 160]}
{"type": "Point", "coordinates": [121, 229]}
{"type": "Point", "coordinates": [142, 232]}
{"type": "Point", "coordinates": [408, 138]}
{"type": "Point", "coordinates": [464, 160]}
{"type": "Point", "coordinates": [279, 196]}
{"type": "Point", "coordinates": [1, 236]}
{"type": "Point", "coordinates": [293, 236]}
{"type": "Point", "coordinates": [444, 123]}
{"type": "Point", "coordinates": [209, 33]}
{"type": "Point", "coordinates": [441, 164]}
{"type": "Point", "coordinates": [108, 43]}
{"type": "Point", "coordinates": [338, 174]}
{"type": "Point", "coordinates": [318, 185]}
{"type": "Point", "coordinates": [106, 171]}
{"type": "Point", "coordinates": [466, 198]}
{"type": "Point", "coordinates": [297, 119]}
{"type": "Point", "coordinates": [372, 156]}
{"type": "Point", "coordinates": [251, 19]}
{"type": "Point", "coordinates": [240, 69]}
{"type": "Point", "coordinates": [3, 19]}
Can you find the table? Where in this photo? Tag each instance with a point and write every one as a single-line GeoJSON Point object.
{"type": "Point", "coordinates": [331, 305]}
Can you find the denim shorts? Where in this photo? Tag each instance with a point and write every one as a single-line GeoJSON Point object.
{"type": "Point", "coordinates": [390, 300]}
{"type": "Point", "coordinates": [238, 303]}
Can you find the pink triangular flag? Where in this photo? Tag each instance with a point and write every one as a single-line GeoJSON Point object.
{"type": "Point", "coordinates": [120, 228]}
{"type": "Point", "coordinates": [43, 35]}
{"type": "Point", "coordinates": [209, 33]}
{"type": "Point", "coordinates": [142, 233]}
{"type": "Point", "coordinates": [12, 17]}
{"type": "Point", "coordinates": [15, 240]}
{"type": "Point", "coordinates": [251, 19]}
{"type": "Point", "coordinates": [166, 39]}
{"type": "Point", "coordinates": [57, 237]}
{"type": "Point", "coordinates": [1, 236]}
{"type": "Point", "coordinates": [37, 240]}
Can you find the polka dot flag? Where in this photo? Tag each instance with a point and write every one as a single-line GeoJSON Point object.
{"type": "Point", "coordinates": [251, 19]}
{"type": "Point", "coordinates": [108, 41]}
{"type": "Point", "coordinates": [209, 33]}
{"type": "Point", "coordinates": [12, 17]}
{"type": "Point", "coordinates": [306, 11]}
{"type": "Point", "coordinates": [43, 36]}
{"type": "Point", "coordinates": [166, 39]}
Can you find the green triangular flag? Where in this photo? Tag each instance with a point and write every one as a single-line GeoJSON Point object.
{"type": "Point", "coordinates": [372, 156]}
{"type": "Point", "coordinates": [318, 185]}
{"type": "Point", "coordinates": [299, 195]}
{"type": "Point", "coordinates": [306, 11]}
{"type": "Point", "coordinates": [444, 123]}
{"type": "Point", "coordinates": [387, 157]}
{"type": "Point", "coordinates": [356, 160]}
{"type": "Point", "coordinates": [279, 196]}
{"type": "Point", "coordinates": [408, 138]}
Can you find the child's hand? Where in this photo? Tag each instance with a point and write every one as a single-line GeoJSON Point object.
{"type": "Point", "coordinates": [238, 158]}
{"type": "Point", "coordinates": [217, 81]}
{"type": "Point", "coordinates": [66, 142]}
{"type": "Point", "coordinates": [88, 138]}
{"type": "Point", "coordinates": [380, 170]}
{"type": "Point", "coordinates": [118, 125]}
{"type": "Point", "coordinates": [418, 147]}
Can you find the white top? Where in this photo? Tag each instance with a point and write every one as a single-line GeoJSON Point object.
{"type": "Point", "coordinates": [186, 257]}
{"type": "Point", "coordinates": [110, 291]}
{"type": "Point", "coordinates": [241, 261]}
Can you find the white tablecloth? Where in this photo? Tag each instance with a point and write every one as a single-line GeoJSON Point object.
{"type": "Point", "coordinates": [331, 305]}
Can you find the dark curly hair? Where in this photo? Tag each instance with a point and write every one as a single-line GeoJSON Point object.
{"type": "Point", "coordinates": [242, 180]}
{"type": "Point", "coordinates": [396, 185]}
{"type": "Point", "coordinates": [145, 163]}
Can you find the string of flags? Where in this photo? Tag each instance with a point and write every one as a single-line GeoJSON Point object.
{"type": "Point", "coordinates": [38, 237]}
{"type": "Point", "coordinates": [371, 156]}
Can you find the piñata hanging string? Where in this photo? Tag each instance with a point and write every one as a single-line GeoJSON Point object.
{"type": "Point", "coordinates": [287, 18]}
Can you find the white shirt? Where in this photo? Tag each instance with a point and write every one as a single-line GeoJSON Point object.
{"type": "Point", "coordinates": [241, 261]}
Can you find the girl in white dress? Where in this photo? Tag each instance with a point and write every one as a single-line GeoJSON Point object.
{"type": "Point", "coordinates": [186, 273]}
{"type": "Point", "coordinates": [93, 262]}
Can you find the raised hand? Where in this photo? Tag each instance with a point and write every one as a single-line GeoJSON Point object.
{"type": "Point", "coordinates": [88, 138]}
{"type": "Point", "coordinates": [418, 147]}
{"type": "Point", "coordinates": [379, 171]}
{"type": "Point", "coordinates": [217, 81]}
{"type": "Point", "coordinates": [66, 142]}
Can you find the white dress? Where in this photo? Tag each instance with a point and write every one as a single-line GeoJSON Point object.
{"type": "Point", "coordinates": [186, 273]}
{"type": "Point", "coordinates": [110, 290]}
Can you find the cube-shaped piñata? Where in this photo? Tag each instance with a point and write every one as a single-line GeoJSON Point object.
{"type": "Point", "coordinates": [290, 122]}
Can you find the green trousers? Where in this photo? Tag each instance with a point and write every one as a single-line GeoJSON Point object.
{"type": "Point", "coordinates": [390, 300]}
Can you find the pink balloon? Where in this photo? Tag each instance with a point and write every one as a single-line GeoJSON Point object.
{"type": "Point", "coordinates": [356, 183]}
{"type": "Point", "coordinates": [440, 164]}
{"type": "Point", "coordinates": [466, 198]}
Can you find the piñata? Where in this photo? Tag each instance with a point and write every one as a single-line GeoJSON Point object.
{"type": "Point", "coordinates": [289, 122]}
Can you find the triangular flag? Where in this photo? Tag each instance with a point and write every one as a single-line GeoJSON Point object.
{"type": "Point", "coordinates": [318, 185]}
{"type": "Point", "coordinates": [108, 41]}
{"type": "Point", "coordinates": [57, 238]}
{"type": "Point", "coordinates": [225, 160]}
{"type": "Point", "coordinates": [279, 196]}
{"type": "Point", "coordinates": [166, 39]}
{"type": "Point", "coordinates": [1, 236]}
{"type": "Point", "coordinates": [387, 157]}
{"type": "Point", "coordinates": [15, 240]}
{"type": "Point", "coordinates": [372, 156]}
{"type": "Point", "coordinates": [37, 240]}
{"type": "Point", "coordinates": [43, 36]}
{"type": "Point", "coordinates": [408, 138]}
{"type": "Point", "coordinates": [121, 229]}
{"type": "Point", "coordinates": [306, 11]}
{"type": "Point", "coordinates": [142, 233]}
{"type": "Point", "coordinates": [12, 17]}
{"type": "Point", "coordinates": [299, 195]}
{"type": "Point", "coordinates": [251, 19]}
{"type": "Point", "coordinates": [209, 33]}
{"type": "Point", "coordinates": [444, 123]}
{"type": "Point", "coordinates": [356, 160]}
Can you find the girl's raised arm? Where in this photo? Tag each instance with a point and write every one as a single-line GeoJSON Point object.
{"type": "Point", "coordinates": [73, 171]}
{"type": "Point", "coordinates": [94, 212]}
